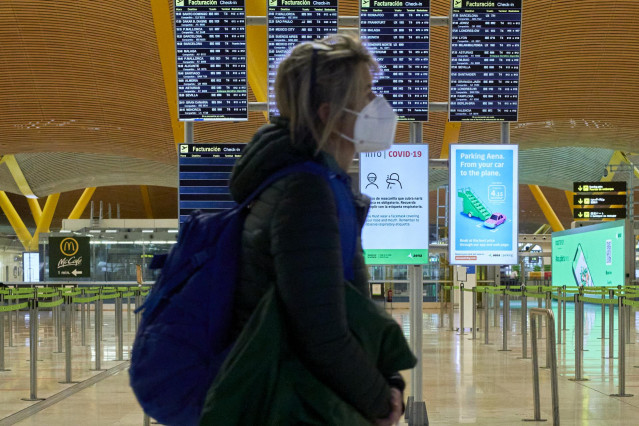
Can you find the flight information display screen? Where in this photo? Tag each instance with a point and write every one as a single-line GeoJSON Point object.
{"type": "Point", "coordinates": [484, 60]}
{"type": "Point", "coordinates": [204, 171]}
{"type": "Point", "coordinates": [210, 42]}
{"type": "Point", "coordinates": [291, 22]}
{"type": "Point", "coordinates": [398, 34]}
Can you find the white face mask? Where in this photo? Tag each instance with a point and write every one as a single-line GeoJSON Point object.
{"type": "Point", "coordinates": [374, 127]}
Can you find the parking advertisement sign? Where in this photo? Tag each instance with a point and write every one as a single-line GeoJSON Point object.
{"type": "Point", "coordinates": [396, 180]}
{"type": "Point", "coordinates": [484, 204]}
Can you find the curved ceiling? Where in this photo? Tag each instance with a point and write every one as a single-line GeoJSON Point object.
{"type": "Point", "coordinates": [83, 93]}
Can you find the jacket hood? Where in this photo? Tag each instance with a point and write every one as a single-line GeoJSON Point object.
{"type": "Point", "coordinates": [269, 150]}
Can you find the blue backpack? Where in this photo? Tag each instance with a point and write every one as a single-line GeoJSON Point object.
{"type": "Point", "coordinates": [183, 336]}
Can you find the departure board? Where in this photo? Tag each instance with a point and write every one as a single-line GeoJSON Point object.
{"type": "Point", "coordinates": [204, 172]}
{"type": "Point", "coordinates": [291, 22]}
{"type": "Point", "coordinates": [210, 41]}
{"type": "Point", "coordinates": [484, 55]}
{"type": "Point", "coordinates": [397, 33]}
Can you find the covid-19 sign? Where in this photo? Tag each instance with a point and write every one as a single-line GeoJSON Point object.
{"type": "Point", "coordinates": [484, 204]}
{"type": "Point", "coordinates": [396, 180]}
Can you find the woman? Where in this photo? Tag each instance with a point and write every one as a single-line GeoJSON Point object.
{"type": "Point", "coordinates": [291, 238]}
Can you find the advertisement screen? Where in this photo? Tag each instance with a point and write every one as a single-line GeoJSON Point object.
{"type": "Point", "coordinates": [396, 229]}
{"type": "Point", "coordinates": [484, 203]}
{"type": "Point", "coordinates": [592, 256]}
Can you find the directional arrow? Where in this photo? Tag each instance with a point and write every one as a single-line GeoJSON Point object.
{"type": "Point", "coordinates": [579, 188]}
{"type": "Point", "coordinates": [75, 272]}
{"type": "Point", "coordinates": [580, 201]}
{"type": "Point", "coordinates": [580, 215]}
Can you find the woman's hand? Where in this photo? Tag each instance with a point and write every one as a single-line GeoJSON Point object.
{"type": "Point", "coordinates": [396, 409]}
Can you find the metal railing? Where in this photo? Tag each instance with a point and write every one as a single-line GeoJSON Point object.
{"type": "Point", "coordinates": [554, 387]}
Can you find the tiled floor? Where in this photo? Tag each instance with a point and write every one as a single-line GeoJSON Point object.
{"type": "Point", "coordinates": [464, 380]}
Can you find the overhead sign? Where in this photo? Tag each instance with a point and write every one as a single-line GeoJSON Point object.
{"type": "Point", "coordinates": [291, 22]}
{"type": "Point", "coordinates": [598, 200]}
{"type": "Point", "coordinates": [398, 34]}
{"type": "Point", "coordinates": [69, 257]}
{"type": "Point", "coordinates": [599, 213]}
{"type": "Point", "coordinates": [210, 43]}
{"type": "Point", "coordinates": [396, 180]}
{"type": "Point", "coordinates": [591, 256]}
{"type": "Point", "coordinates": [204, 172]}
{"type": "Point", "coordinates": [484, 203]}
{"type": "Point", "coordinates": [599, 186]}
{"type": "Point", "coordinates": [485, 50]}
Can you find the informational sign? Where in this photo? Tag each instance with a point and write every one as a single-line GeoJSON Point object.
{"type": "Point", "coordinates": [69, 257]}
{"type": "Point", "coordinates": [396, 180]}
{"type": "Point", "coordinates": [598, 200]}
{"type": "Point", "coordinates": [204, 172]}
{"type": "Point", "coordinates": [484, 60]}
{"type": "Point", "coordinates": [398, 34]}
{"type": "Point", "coordinates": [484, 204]}
{"type": "Point", "coordinates": [591, 256]}
{"type": "Point", "coordinates": [291, 22]}
{"type": "Point", "coordinates": [210, 42]}
{"type": "Point", "coordinates": [599, 187]}
{"type": "Point", "coordinates": [30, 267]}
{"type": "Point", "coordinates": [599, 213]}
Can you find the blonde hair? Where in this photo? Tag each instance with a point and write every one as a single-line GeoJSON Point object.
{"type": "Point", "coordinates": [334, 63]}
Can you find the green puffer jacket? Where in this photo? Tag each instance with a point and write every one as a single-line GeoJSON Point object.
{"type": "Point", "coordinates": [263, 382]}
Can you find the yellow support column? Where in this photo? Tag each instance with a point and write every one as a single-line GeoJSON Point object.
{"type": "Point", "coordinates": [551, 217]}
{"type": "Point", "coordinates": [571, 198]}
{"type": "Point", "coordinates": [45, 220]}
{"type": "Point", "coordinates": [451, 135]}
{"type": "Point", "coordinates": [257, 59]}
{"type": "Point", "coordinates": [166, 47]}
{"type": "Point", "coordinates": [82, 203]}
{"type": "Point", "coordinates": [36, 211]}
{"type": "Point", "coordinates": [146, 199]}
{"type": "Point", "coordinates": [14, 219]}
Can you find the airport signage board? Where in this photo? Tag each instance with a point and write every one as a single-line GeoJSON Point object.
{"type": "Point", "coordinates": [485, 51]}
{"type": "Point", "coordinates": [598, 200]}
{"type": "Point", "coordinates": [599, 213]}
{"type": "Point", "coordinates": [484, 204]}
{"type": "Point", "coordinates": [599, 187]}
{"type": "Point", "coordinates": [210, 44]}
{"type": "Point", "coordinates": [396, 229]}
{"type": "Point", "coordinates": [291, 22]}
{"type": "Point", "coordinates": [69, 257]}
{"type": "Point", "coordinates": [398, 34]}
{"type": "Point", "coordinates": [204, 173]}
{"type": "Point", "coordinates": [591, 256]}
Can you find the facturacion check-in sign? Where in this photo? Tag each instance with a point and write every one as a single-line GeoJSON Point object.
{"type": "Point", "coordinates": [484, 204]}
{"type": "Point", "coordinates": [396, 229]}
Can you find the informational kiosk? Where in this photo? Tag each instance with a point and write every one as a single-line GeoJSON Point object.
{"type": "Point", "coordinates": [484, 60]}
{"type": "Point", "coordinates": [398, 34]}
{"type": "Point", "coordinates": [204, 173]}
{"type": "Point", "coordinates": [592, 256]}
{"type": "Point", "coordinates": [210, 44]}
{"type": "Point", "coordinates": [396, 230]}
{"type": "Point", "coordinates": [484, 204]}
{"type": "Point", "coordinates": [291, 22]}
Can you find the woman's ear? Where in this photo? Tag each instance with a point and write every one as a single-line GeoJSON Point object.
{"type": "Point", "coordinates": [323, 112]}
